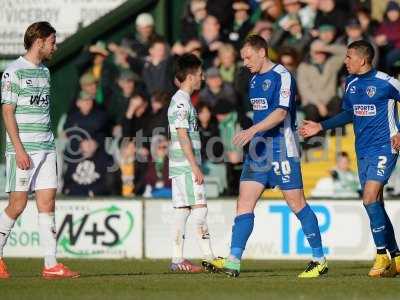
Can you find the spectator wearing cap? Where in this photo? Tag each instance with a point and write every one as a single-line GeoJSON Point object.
{"type": "Point", "coordinates": [388, 36]}
{"type": "Point", "coordinates": [157, 71]}
{"type": "Point", "coordinates": [329, 13]}
{"type": "Point", "coordinates": [306, 14]}
{"type": "Point", "coordinates": [95, 62]}
{"type": "Point", "coordinates": [194, 15]}
{"type": "Point", "coordinates": [327, 33]}
{"type": "Point", "coordinates": [144, 34]}
{"type": "Point", "coordinates": [241, 23]}
{"type": "Point", "coordinates": [317, 79]}
{"type": "Point", "coordinates": [230, 123]}
{"type": "Point", "coordinates": [290, 34]}
{"type": "Point", "coordinates": [269, 10]}
{"type": "Point", "coordinates": [216, 88]}
{"type": "Point", "coordinates": [354, 32]}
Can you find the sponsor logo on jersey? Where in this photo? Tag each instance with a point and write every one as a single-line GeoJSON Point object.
{"type": "Point", "coordinates": [6, 86]}
{"type": "Point", "coordinates": [285, 93]}
{"type": "Point", "coordinates": [371, 90]}
{"type": "Point", "coordinates": [29, 82]}
{"type": "Point", "coordinates": [259, 103]}
{"type": "Point", "coordinates": [364, 110]}
{"type": "Point", "coordinates": [40, 100]}
{"type": "Point", "coordinates": [352, 89]}
{"type": "Point", "coordinates": [252, 84]}
{"type": "Point", "coordinates": [266, 85]}
{"type": "Point", "coordinates": [6, 75]}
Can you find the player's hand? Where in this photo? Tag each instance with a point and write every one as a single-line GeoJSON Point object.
{"type": "Point", "coordinates": [198, 175]}
{"type": "Point", "coordinates": [309, 128]}
{"type": "Point", "coordinates": [243, 137]}
{"type": "Point", "coordinates": [23, 160]}
{"type": "Point", "coordinates": [396, 142]}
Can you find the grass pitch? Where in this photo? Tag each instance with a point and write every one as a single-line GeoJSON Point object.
{"type": "Point", "coordinates": [150, 279]}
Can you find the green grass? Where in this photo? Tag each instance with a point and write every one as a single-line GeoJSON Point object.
{"type": "Point", "coordinates": [149, 279]}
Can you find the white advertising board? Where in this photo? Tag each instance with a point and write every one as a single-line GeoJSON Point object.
{"type": "Point", "coordinates": [277, 233]}
{"type": "Point", "coordinates": [85, 229]}
{"type": "Point", "coordinates": [65, 15]}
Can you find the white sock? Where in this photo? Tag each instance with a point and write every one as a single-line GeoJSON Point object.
{"type": "Point", "coordinates": [199, 216]}
{"type": "Point", "coordinates": [47, 230]}
{"type": "Point", "coordinates": [6, 224]}
{"type": "Point", "coordinates": [180, 218]}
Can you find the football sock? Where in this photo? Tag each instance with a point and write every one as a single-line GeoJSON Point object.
{"type": "Point", "coordinates": [199, 216]}
{"type": "Point", "coordinates": [241, 230]}
{"type": "Point", "coordinates": [180, 218]}
{"type": "Point", "coordinates": [309, 223]}
{"type": "Point", "coordinates": [391, 243]}
{"type": "Point", "coordinates": [48, 240]}
{"type": "Point", "coordinates": [377, 220]}
{"type": "Point", "coordinates": [6, 224]}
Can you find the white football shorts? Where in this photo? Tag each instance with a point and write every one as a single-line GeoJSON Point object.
{"type": "Point", "coordinates": [186, 192]}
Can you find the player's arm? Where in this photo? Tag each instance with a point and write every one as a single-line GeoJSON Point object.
{"type": "Point", "coordinates": [187, 149]}
{"type": "Point", "coordinates": [274, 119]}
{"type": "Point", "coordinates": [9, 97]}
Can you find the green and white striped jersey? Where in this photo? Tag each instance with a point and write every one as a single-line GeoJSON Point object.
{"type": "Point", "coordinates": [27, 86]}
{"type": "Point", "coordinates": [182, 114]}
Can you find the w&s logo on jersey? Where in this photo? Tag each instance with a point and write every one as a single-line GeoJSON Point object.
{"type": "Point", "coordinates": [259, 103]}
{"type": "Point", "coordinates": [364, 110]}
{"type": "Point", "coordinates": [40, 100]}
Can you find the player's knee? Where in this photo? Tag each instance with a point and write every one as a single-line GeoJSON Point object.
{"type": "Point", "coordinates": [15, 208]}
{"type": "Point", "coordinates": [199, 216]}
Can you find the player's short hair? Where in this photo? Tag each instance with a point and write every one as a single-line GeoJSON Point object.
{"type": "Point", "coordinates": [186, 64]}
{"type": "Point", "coordinates": [257, 42]}
{"type": "Point", "coordinates": [365, 49]}
{"type": "Point", "coordinates": [38, 30]}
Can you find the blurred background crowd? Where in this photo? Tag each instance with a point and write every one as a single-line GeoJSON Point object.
{"type": "Point", "coordinates": [125, 88]}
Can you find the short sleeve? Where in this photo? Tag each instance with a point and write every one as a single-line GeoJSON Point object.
{"type": "Point", "coordinates": [286, 91]}
{"type": "Point", "coordinates": [9, 88]}
{"type": "Point", "coordinates": [181, 112]}
{"type": "Point", "coordinates": [395, 84]}
{"type": "Point", "coordinates": [346, 104]}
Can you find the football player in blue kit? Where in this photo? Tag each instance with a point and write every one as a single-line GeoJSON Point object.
{"type": "Point", "coordinates": [272, 159]}
{"type": "Point", "coordinates": [369, 102]}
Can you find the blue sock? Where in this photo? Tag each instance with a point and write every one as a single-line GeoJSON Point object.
{"type": "Point", "coordinates": [377, 220]}
{"type": "Point", "coordinates": [241, 230]}
{"type": "Point", "coordinates": [309, 223]}
{"type": "Point", "coordinates": [391, 243]}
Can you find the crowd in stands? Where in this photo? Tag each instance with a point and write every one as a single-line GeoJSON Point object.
{"type": "Point", "coordinates": [125, 87]}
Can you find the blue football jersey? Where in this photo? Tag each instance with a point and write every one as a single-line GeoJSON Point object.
{"type": "Point", "coordinates": [372, 98]}
{"type": "Point", "coordinates": [267, 92]}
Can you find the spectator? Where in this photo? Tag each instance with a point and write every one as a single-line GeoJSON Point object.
{"type": "Point", "coordinates": [353, 32]}
{"type": "Point", "coordinates": [230, 123]}
{"type": "Point", "coordinates": [212, 149]}
{"type": "Point", "coordinates": [327, 33]}
{"type": "Point", "coordinates": [317, 80]}
{"type": "Point", "coordinates": [215, 89]}
{"type": "Point", "coordinates": [264, 29]}
{"type": "Point", "coordinates": [227, 63]}
{"type": "Point", "coordinates": [222, 10]}
{"type": "Point", "coordinates": [388, 35]}
{"type": "Point", "coordinates": [136, 123]}
{"type": "Point", "coordinates": [289, 58]}
{"type": "Point", "coordinates": [329, 13]}
{"type": "Point", "coordinates": [88, 84]}
{"type": "Point", "coordinates": [157, 71]}
{"type": "Point", "coordinates": [269, 10]}
{"type": "Point", "coordinates": [95, 62]}
{"type": "Point", "coordinates": [145, 33]}
{"type": "Point", "coordinates": [158, 183]}
{"type": "Point", "coordinates": [194, 15]}
{"type": "Point", "coordinates": [211, 39]}
{"type": "Point", "coordinates": [368, 25]}
{"type": "Point", "coordinates": [342, 183]}
{"type": "Point", "coordinates": [305, 14]}
{"type": "Point", "coordinates": [290, 34]}
{"type": "Point", "coordinates": [86, 161]}
{"type": "Point", "coordinates": [241, 24]}
{"type": "Point", "coordinates": [158, 124]}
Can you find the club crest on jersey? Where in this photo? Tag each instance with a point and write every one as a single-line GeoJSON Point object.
{"type": "Point", "coordinates": [266, 85]}
{"type": "Point", "coordinates": [371, 90]}
{"type": "Point", "coordinates": [364, 110]}
{"type": "Point", "coordinates": [259, 103]}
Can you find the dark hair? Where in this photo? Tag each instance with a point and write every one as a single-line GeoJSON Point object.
{"type": "Point", "coordinates": [38, 30]}
{"type": "Point", "coordinates": [201, 105]}
{"type": "Point", "coordinates": [156, 40]}
{"type": "Point", "coordinates": [363, 48]}
{"type": "Point", "coordinates": [161, 97]}
{"type": "Point", "coordinates": [185, 65]}
{"type": "Point", "coordinates": [256, 42]}
{"type": "Point", "coordinates": [343, 154]}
